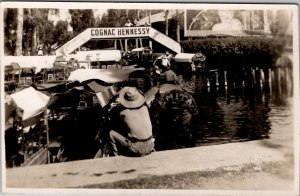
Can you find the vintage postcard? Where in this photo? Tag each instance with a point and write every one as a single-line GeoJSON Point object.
{"type": "Point", "coordinates": [149, 98]}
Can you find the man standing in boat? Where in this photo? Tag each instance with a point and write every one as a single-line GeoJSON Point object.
{"type": "Point", "coordinates": [165, 61]}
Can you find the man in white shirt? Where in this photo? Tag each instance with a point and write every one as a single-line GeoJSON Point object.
{"type": "Point", "coordinates": [165, 60]}
{"type": "Point", "coordinates": [135, 135]}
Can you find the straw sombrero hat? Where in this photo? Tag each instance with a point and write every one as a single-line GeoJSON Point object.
{"type": "Point", "coordinates": [131, 97]}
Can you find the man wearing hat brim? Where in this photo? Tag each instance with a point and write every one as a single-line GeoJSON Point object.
{"type": "Point", "coordinates": [135, 115]}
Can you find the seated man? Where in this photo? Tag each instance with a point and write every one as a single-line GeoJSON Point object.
{"type": "Point", "coordinates": [170, 76]}
{"type": "Point", "coordinates": [136, 128]}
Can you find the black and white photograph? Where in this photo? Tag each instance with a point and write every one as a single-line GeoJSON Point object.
{"type": "Point", "coordinates": [149, 98]}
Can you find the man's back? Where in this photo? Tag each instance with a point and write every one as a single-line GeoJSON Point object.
{"type": "Point", "coordinates": [138, 122]}
{"type": "Point", "coordinates": [170, 76]}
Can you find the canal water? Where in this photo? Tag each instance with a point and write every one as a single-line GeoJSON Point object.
{"type": "Point", "coordinates": [227, 116]}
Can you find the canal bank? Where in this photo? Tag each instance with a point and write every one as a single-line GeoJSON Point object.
{"type": "Point", "coordinates": [256, 166]}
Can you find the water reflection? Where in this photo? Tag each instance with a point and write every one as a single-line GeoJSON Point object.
{"type": "Point", "coordinates": [237, 115]}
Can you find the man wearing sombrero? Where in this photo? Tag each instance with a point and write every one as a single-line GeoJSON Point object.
{"type": "Point", "coordinates": [137, 139]}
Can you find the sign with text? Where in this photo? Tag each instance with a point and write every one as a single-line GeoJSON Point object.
{"type": "Point", "coordinates": [119, 32]}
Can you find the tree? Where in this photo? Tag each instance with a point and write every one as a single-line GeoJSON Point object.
{"type": "Point", "coordinates": [112, 18]}
{"type": "Point", "coordinates": [176, 25]}
{"type": "Point", "coordinates": [37, 29]}
{"type": "Point", "coordinates": [10, 26]}
{"type": "Point", "coordinates": [46, 32]}
{"type": "Point", "coordinates": [60, 33]}
{"type": "Point", "coordinates": [30, 29]}
{"type": "Point", "coordinates": [18, 50]}
{"type": "Point", "coordinates": [81, 19]}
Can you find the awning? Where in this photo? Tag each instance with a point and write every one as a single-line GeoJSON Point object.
{"type": "Point", "coordinates": [70, 99]}
{"type": "Point", "coordinates": [39, 62]}
{"type": "Point", "coordinates": [95, 86]}
{"type": "Point", "coordinates": [105, 75]}
{"type": "Point", "coordinates": [184, 57]}
{"type": "Point", "coordinates": [53, 87]}
{"type": "Point", "coordinates": [31, 101]}
{"type": "Point", "coordinates": [62, 58]}
{"type": "Point", "coordinates": [33, 120]}
{"type": "Point", "coordinates": [97, 55]}
{"type": "Point", "coordinates": [138, 49]}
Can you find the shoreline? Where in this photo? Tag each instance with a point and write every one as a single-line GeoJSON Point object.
{"type": "Point", "coordinates": [252, 158]}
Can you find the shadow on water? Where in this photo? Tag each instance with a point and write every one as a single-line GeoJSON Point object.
{"type": "Point", "coordinates": [242, 114]}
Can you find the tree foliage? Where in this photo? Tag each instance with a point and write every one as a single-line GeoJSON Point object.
{"type": "Point", "coordinates": [18, 50]}
{"type": "Point", "coordinates": [10, 26]}
{"type": "Point", "coordinates": [81, 19]}
{"type": "Point", "coordinates": [113, 18]}
{"type": "Point", "coordinates": [38, 30]}
{"type": "Point", "coordinates": [240, 51]}
{"type": "Point", "coordinates": [60, 33]}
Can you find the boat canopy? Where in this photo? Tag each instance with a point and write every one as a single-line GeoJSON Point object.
{"type": "Point", "coordinates": [33, 104]}
{"type": "Point", "coordinates": [184, 57]}
{"type": "Point", "coordinates": [97, 55]}
{"type": "Point", "coordinates": [105, 75]}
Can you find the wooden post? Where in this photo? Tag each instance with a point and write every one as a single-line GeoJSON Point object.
{"type": "Point", "coordinates": [47, 134]}
{"type": "Point", "coordinates": [221, 79]}
{"type": "Point", "coordinates": [136, 43]}
{"type": "Point", "coordinates": [19, 77]}
{"type": "Point", "coordinates": [229, 79]}
{"type": "Point", "coordinates": [167, 22]}
{"type": "Point", "coordinates": [121, 44]}
{"type": "Point", "coordinates": [126, 46]}
{"type": "Point", "coordinates": [257, 77]}
{"type": "Point", "coordinates": [238, 77]}
{"type": "Point", "coordinates": [212, 80]}
{"type": "Point", "coordinates": [225, 79]}
{"type": "Point", "coordinates": [266, 75]}
{"type": "Point", "coordinates": [178, 27]}
{"type": "Point", "coordinates": [253, 76]}
{"type": "Point", "coordinates": [115, 44]}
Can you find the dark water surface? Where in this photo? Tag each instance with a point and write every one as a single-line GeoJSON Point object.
{"type": "Point", "coordinates": [238, 115]}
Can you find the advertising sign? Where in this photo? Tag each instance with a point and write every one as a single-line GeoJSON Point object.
{"type": "Point", "coordinates": [119, 32]}
{"type": "Point", "coordinates": [227, 22]}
